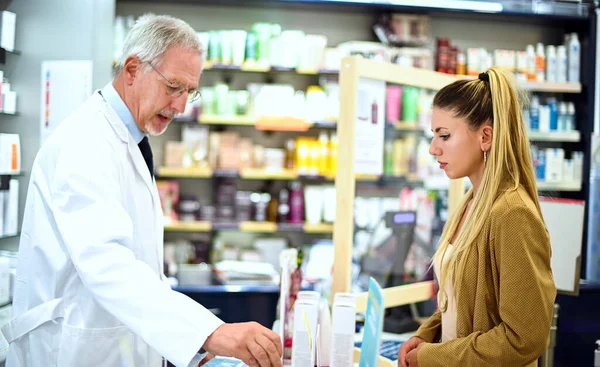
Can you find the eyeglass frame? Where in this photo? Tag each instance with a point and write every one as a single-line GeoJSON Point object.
{"type": "Point", "coordinates": [193, 94]}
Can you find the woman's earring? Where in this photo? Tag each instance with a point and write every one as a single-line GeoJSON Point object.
{"type": "Point", "coordinates": [484, 157]}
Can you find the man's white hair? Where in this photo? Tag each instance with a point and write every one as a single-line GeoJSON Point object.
{"type": "Point", "coordinates": [152, 35]}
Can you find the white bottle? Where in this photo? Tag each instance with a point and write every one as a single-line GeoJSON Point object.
{"type": "Point", "coordinates": [531, 70]}
{"type": "Point", "coordinates": [574, 53]}
{"type": "Point", "coordinates": [540, 63]}
{"type": "Point", "coordinates": [563, 119]}
{"type": "Point", "coordinates": [577, 158]}
{"type": "Point", "coordinates": [342, 330]}
{"type": "Point", "coordinates": [550, 63]}
{"type": "Point", "coordinates": [561, 64]}
{"type": "Point", "coordinates": [571, 123]}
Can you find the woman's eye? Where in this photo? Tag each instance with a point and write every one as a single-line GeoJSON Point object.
{"type": "Point", "coordinates": [172, 89]}
{"type": "Point", "coordinates": [444, 137]}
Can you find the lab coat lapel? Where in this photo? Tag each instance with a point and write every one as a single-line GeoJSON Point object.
{"type": "Point", "coordinates": [142, 169]}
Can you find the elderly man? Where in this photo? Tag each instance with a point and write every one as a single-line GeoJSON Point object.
{"type": "Point", "coordinates": [90, 289]}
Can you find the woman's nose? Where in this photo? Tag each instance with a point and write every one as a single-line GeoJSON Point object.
{"type": "Point", "coordinates": [433, 150]}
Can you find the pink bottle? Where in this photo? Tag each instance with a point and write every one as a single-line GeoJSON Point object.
{"type": "Point", "coordinates": [296, 203]}
{"type": "Point", "coordinates": [393, 101]}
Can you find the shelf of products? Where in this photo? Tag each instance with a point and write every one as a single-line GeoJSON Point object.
{"type": "Point", "coordinates": [566, 186]}
{"type": "Point", "coordinates": [249, 227]}
{"type": "Point", "coordinates": [555, 136]}
{"type": "Point", "coordinates": [2, 237]}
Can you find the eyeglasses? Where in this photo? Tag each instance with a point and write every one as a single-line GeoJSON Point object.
{"type": "Point", "coordinates": [176, 89]}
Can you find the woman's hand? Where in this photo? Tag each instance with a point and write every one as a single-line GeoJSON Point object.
{"type": "Point", "coordinates": [411, 357]}
{"type": "Point", "coordinates": [406, 348]}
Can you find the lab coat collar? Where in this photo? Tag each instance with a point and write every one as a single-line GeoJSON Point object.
{"type": "Point", "coordinates": [134, 151]}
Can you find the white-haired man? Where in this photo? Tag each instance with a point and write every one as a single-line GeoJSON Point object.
{"type": "Point", "coordinates": [90, 289]}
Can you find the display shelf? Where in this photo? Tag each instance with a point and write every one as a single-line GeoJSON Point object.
{"type": "Point", "coordinates": [249, 68]}
{"type": "Point", "coordinates": [258, 227]}
{"type": "Point", "coordinates": [573, 186]}
{"type": "Point", "coordinates": [227, 120]}
{"type": "Point", "coordinates": [548, 87]}
{"type": "Point", "coordinates": [318, 228]}
{"type": "Point", "coordinates": [193, 172]}
{"type": "Point", "coordinates": [249, 227]}
{"type": "Point", "coordinates": [407, 126]}
{"type": "Point", "coordinates": [542, 87]}
{"type": "Point", "coordinates": [198, 226]}
{"type": "Point", "coordinates": [9, 113]}
{"type": "Point", "coordinates": [266, 123]}
{"type": "Point", "coordinates": [2, 237]}
{"type": "Point", "coordinates": [261, 174]}
{"type": "Point", "coordinates": [555, 136]}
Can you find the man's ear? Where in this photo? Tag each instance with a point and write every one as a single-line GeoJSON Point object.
{"type": "Point", "coordinates": [486, 136]}
{"type": "Point", "coordinates": [132, 65]}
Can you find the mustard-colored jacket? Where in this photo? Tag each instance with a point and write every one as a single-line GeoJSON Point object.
{"type": "Point", "coordinates": [504, 310]}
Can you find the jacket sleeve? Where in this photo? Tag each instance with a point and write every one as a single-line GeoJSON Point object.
{"type": "Point", "coordinates": [521, 247]}
{"type": "Point", "coordinates": [431, 329]}
{"type": "Point", "coordinates": [96, 232]}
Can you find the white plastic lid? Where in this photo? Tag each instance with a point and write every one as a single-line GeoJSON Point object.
{"type": "Point", "coordinates": [309, 296]}
{"type": "Point", "coordinates": [348, 299]}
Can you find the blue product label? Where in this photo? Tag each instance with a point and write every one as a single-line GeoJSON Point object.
{"type": "Point", "coordinates": [534, 119]}
{"type": "Point", "coordinates": [373, 326]}
{"type": "Point", "coordinates": [540, 169]}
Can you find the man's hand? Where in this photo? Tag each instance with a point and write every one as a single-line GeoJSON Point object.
{"type": "Point", "coordinates": [254, 344]}
{"type": "Point", "coordinates": [206, 360]}
{"type": "Point", "coordinates": [407, 347]}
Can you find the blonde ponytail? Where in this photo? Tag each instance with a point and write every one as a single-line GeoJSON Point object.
{"type": "Point", "coordinates": [508, 163]}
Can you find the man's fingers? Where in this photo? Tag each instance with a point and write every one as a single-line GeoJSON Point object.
{"type": "Point", "coordinates": [276, 340]}
{"type": "Point", "coordinates": [270, 348]}
{"type": "Point", "coordinates": [259, 354]}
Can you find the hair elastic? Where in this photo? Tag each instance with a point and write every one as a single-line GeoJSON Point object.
{"type": "Point", "coordinates": [484, 76]}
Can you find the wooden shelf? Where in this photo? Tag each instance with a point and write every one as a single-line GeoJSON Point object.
{"type": "Point", "coordinates": [258, 227]}
{"type": "Point", "coordinates": [264, 122]}
{"type": "Point", "coordinates": [198, 226]}
{"type": "Point", "coordinates": [249, 227]}
{"type": "Point", "coordinates": [192, 172]}
{"type": "Point", "coordinates": [555, 136]}
{"type": "Point", "coordinates": [407, 126]}
{"type": "Point", "coordinates": [253, 68]}
{"type": "Point", "coordinates": [261, 174]}
{"type": "Point", "coordinates": [548, 87]}
{"type": "Point", "coordinates": [559, 186]}
{"type": "Point", "coordinates": [225, 120]}
{"type": "Point", "coordinates": [551, 87]}
{"type": "Point", "coordinates": [318, 228]}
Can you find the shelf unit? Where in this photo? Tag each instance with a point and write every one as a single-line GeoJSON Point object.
{"type": "Point", "coordinates": [250, 227]}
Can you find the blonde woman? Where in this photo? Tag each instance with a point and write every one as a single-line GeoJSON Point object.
{"type": "Point", "coordinates": [496, 290]}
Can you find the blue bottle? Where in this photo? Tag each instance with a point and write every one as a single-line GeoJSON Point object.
{"type": "Point", "coordinates": [534, 113]}
{"type": "Point", "coordinates": [553, 104]}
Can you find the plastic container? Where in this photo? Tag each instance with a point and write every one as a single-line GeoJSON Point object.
{"type": "Point", "coordinates": [574, 55]}
{"type": "Point", "coordinates": [551, 59]}
{"type": "Point", "coordinates": [534, 113]}
{"type": "Point", "coordinates": [393, 103]}
{"type": "Point", "coordinates": [561, 64]}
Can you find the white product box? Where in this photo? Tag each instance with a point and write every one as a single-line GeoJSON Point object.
{"type": "Point", "coordinates": [555, 158]}
{"type": "Point", "coordinates": [8, 22]}
{"type": "Point", "coordinates": [306, 317]}
{"type": "Point", "coordinates": [11, 208]}
{"type": "Point", "coordinates": [10, 153]}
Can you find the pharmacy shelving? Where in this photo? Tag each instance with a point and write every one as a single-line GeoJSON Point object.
{"type": "Point", "coordinates": [572, 186]}
{"type": "Point", "coordinates": [249, 227]}
{"type": "Point", "coordinates": [555, 136]}
{"type": "Point", "coordinates": [266, 175]}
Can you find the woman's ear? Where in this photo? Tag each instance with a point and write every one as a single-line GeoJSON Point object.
{"type": "Point", "coordinates": [486, 136]}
